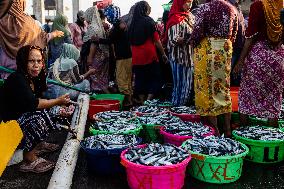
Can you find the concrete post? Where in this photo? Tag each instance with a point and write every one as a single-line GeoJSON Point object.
{"type": "Point", "coordinates": [76, 8]}
{"type": "Point", "coordinates": [39, 10]}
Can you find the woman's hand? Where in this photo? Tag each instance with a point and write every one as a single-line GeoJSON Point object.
{"type": "Point", "coordinates": [57, 33]}
{"type": "Point", "coordinates": [92, 71]}
{"type": "Point", "coordinates": [238, 68]}
{"type": "Point", "coordinates": [64, 99]}
{"type": "Point", "coordinates": [180, 41]}
{"type": "Point", "coordinates": [165, 58]}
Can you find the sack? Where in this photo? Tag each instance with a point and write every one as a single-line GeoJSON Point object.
{"type": "Point", "coordinates": [10, 137]}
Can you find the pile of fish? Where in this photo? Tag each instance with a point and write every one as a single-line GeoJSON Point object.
{"type": "Point", "coordinates": [149, 109]}
{"type": "Point", "coordinates": [115, 115]}
{"type": "Point", "coordinates": [196, 129]}
{"type": "Point", "coordinates": [157, 155]}
{"type": "Point", "coordinates": [161, 119]}
{"type": "Point", "coordinates": [116, 126]}
{"type": "Point", "coordinates": [214, 146]}
{"type": "Point", "coordinates": [106, 142]}
{"type": "Point", "coordinates": [281, 116]}
{"type": "Point", "coordinates": [260, 133]}
{"type": "Point", "coordinates": [183, 110]}
{"type": "Point", "coordinates": [157, 102]}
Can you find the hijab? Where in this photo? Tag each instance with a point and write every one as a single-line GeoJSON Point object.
{"type": "Point", "coordinates": [128, 17]}
{"type": "Point", "coordinates": [70, 54]}
{"type": "Point", "coordinates": [60, 23]}
{"type": "Point", "coordinates": [142, 26]}
{"type": "Point", "coordinates": [95, 26]}
{"type": "Point", "coordinates": [18, 29]}
{"type": "Point", "coordinates": [79, 22]}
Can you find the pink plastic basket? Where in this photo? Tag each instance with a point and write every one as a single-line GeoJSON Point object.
{"type": "Point", "coordinates": [150, 177]}
{"type": "Point", "coordinates": [187, 117]}
{"type": "Point", "coordinates": [178, 140]}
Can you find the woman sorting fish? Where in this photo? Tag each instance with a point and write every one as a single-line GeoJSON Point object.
{"type": "Point", "coordinates": [261, 63]}
{"type": "Point", "coordinates": [212, 60]}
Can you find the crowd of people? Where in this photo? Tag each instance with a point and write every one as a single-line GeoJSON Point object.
{"type": "Point", "coordinates": [202, 49]}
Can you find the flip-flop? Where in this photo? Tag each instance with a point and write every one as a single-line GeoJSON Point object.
{"type": "Point", "coordinates": [40, 165]}
{"type": "Point", "coordinates": [47, 148]}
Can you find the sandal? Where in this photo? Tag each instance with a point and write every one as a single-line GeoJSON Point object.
{"type": "Point", "coordinates": [45, 147]}
{"type": "Point", "coordinates": [40, 165]}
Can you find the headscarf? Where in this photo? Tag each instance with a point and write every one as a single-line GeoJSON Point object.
{"type": "Point", "coordinates": [142, 26]}
{"type": "Point", "coordinates": [70, 54]}
{"type": "Point", "coordinates": [95, 27]}
{"type": "Point", "coordinates": [79, 22]}
{"type": "Point", "coordinates": [272, 10]}
{"type": "Point", "coordinates": [60, 23]}
{"type": "Point", "coordinates": [128, 17]}
{"type": "Point", "coordinates": [4, 7]}
{"type": "Point", "coordinates": [18, 29]}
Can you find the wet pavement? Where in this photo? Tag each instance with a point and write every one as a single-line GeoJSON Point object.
{"type": "Point", "coordinates": [254, 176]}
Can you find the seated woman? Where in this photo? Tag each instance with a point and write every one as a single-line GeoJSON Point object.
{"type": "Point", "coordinates": [65, 70]}
{"type": "Point", "coordinates": [22, 101]}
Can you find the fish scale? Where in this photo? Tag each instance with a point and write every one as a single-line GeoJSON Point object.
{"type": "Point", "coordinates": [214, 146]}
{"type": "Point", "coordinates": [152, 155]}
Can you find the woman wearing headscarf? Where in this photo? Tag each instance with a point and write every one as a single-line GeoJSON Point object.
{"type": "Point", "coordinates": [212, 60]}
{"type": "Point", "coordinates": [78, 30]}
{"type": "Point", "coordinates": [262, 61]}
{"type": "Point", "coordinates": [179, 28]}
{"type": "Point", "coordinates": [96, 51]}
{"type": "Point", "coordinates": [60, 23]}
{"type": "Point", "coordinates": [144, 40]}
{"type": "Point", "coordinates": [66, 71]}
{"type": "Point", "coordinates": [17, 30]}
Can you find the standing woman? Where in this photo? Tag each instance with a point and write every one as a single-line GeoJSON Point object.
{"type": "Point", "coordinates": [262, 63]}
{"type": "Point", "coordinates": [144, 40]}
{"type": "Point", "coordinates": [17, 30]}
{"type": "Point", "coordinates": [214, 32]}
{"type": "Point", "coordinates": [179, 28]}
{"type": "Point", "coordinates": [96, 49]}
{"type": "Point", "coordinates": [56, 45]}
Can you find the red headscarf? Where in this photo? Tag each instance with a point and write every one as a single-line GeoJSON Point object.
{"type": "Point", "coordinates": [176, 16]}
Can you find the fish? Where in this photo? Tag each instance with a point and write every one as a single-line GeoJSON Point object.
{"type": "Point", "coordinates": [260, 133]}
{"type": "Point", "coordinates": [106, 142]}
{"type": "Point", "coordinates": [194, 129]}
{"type": "Point", "coordinates": [160, 119]}
{"type": "Point", "coordinates": [155, 154]}
{"type": "Point", "coordinates": [183, 110]}
{"type": "Point", "coordinates": [157, 102]}
{"type": "Point", "coordinates": [115, 115]}
{"type": "Point", "coordinates": [116, 126]}
{"type": "Point", "coordinates": [149, 109]}
{"type": "Point", "coordinates": [214, 146]}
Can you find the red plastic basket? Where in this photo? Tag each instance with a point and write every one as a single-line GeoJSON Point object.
{"type": "Point", "coordinates": [235, 98]}
{"type": "Point", "coordinates": [97, 106]}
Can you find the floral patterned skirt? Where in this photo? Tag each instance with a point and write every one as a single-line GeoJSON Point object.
{"type": "Point", "coordinates": [212, 61]}
{"type": "Point", "coordinates": [262, 81]}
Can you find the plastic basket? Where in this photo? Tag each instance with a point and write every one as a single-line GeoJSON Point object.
{"type": "Point", "coordinates": [151, 177]}
{"type": "Point", "coordinates": [104, 162]}
{"type": "Point", "coordinates": [97, 106]}
{"type": "Point", "coordinates": [118, 97]}
{"type": "Point", "coordinates": [218, 170]}
{"type": "Point", "coordinates": [167, 7]}
{"type": "Point", "coordinates": [151, 133]}
{"type": "Point", "coordinates": [178, 140]}
{"type": "Point", "coordinates": [262, 151]}
{"type": "Point", "coordinates": [234, 92]}
{"type": "Point", "coordinates": [1, 82]}
{"type": "Point", "coordinates": [256, 121]}
{"type": "Point", "coordinates": [281, 124]}
{"type": "Point", "coordinates": [133, 131]}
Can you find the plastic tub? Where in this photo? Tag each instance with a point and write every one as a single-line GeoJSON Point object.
{"type": "Point", "coordinates": [234, 91]}
{"type": "Point", "coordinates": [151, 133]}
{"type": "Point", "coordinates": [178, 140]}
{"type": "Point", "coordinates": [187, 117]}
{"type": "Point", "coordinates": [218, 170]}
{"type": "Point", "coordinates": [167, 7]}
{"type": "Point", "coordinates": [133, 132]}
{"type": "Point", "coordinates": [263, 151]}
{"type": "Point", "coordinates": [97, 106]}
{"type": "Point", "coordinates": [150, 177]}
{"type": "Point", "coordinates": [104, 162]}
{"type": "Point", "coordinates": [258, 121]}
{"type": "Point", "coordinates": [118, 97]}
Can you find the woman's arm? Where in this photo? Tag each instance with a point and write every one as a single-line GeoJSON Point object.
{"type": "Point", "coordinates": [159, 46]}
{"type": "Point", "coordinates": [45, 104]}
{"type": "Point", "coordinates": [91, 55]}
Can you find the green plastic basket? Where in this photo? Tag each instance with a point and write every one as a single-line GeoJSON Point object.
{"type": "Point", "coordinates": [151, 133]}
{"type": "Point", "coordinates": [281, 124]}
{"type": "Point", "coordinates": [167, 7]}
{"type": "Point", "coordinates": [218, 170]}
{"type": "Point", "coordinates": [119, 97]}
{"type": "Point", "coordinates": [257, 121]}
{"type": "Point", "coordinates": [262, 151]}
{"type": "Point", "coordinates": [129, 132]}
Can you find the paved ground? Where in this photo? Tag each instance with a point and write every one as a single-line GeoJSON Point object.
{"type": "Point", "coordinates": [255, 176]}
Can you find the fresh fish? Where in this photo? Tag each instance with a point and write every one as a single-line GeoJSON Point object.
{"type": "Point", "coordinates": [157, 102]}
{"type": "Point", "coordinates": [114, 115]}
{"type": "Point", "coordinates": [103, 141]}
{"type": "Point", "coordinates": [149, 109]}
{"type": "Point", "coordinates": [156, 155]}
{"type": "Point", "coordinates": [116, 126]}
{"type": "Point", "coordinates": [214, 146]}
{"type": "Point", "coordinates": [160, 119]}
{"type": "Point", "coordinates": [194, 129]}
{"type": "Point", "coordinates": [260, 133]}
{"type": "Point", "coordinates": [183, 110]}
